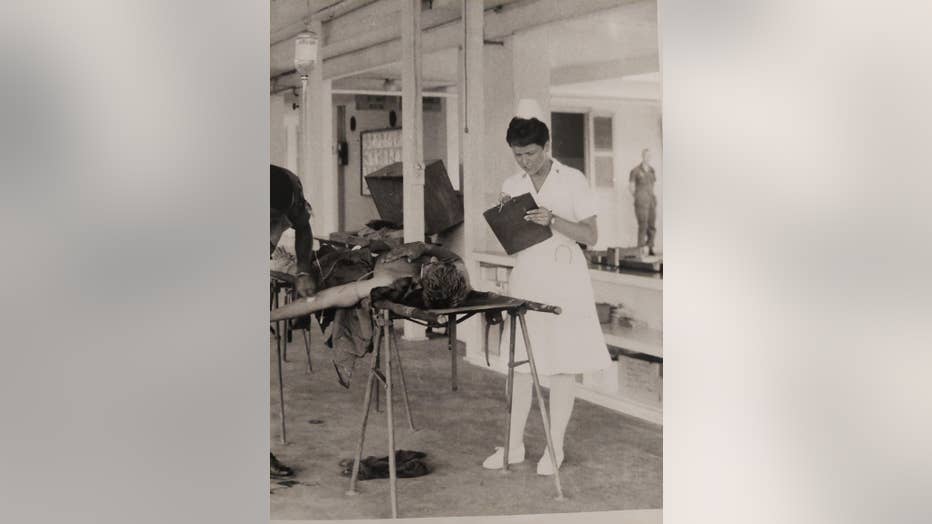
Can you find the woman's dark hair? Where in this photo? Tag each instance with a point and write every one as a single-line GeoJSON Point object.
{"type": "Point", "coordinates": [524, 132]}
{"type": "Point", "coordinates": [443, 286]}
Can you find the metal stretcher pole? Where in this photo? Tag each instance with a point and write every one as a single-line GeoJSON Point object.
{"type": "Point", "coordinates": [540, 402]}
{"type": "Point", "coordinates": [377, 357]}
{"type": "Point", "coordinates": [409, 312]}
{"type": "Point", "coordinates": [451, 333]}
{"type": "Point", "coordinates": [401, 373]}
{"type": "Point", "coordinates": [278, 360]}
{"type": "Point", "coordinates": [389, 335]}
{"type": "Point", "coordinates": [509, 386]}
{"type": "Point", "coordinates": [377, 360]}
{"type": "Point", "coordinates": [543, 308]}
{"type": "Point", "coordinates": [286, 324]}
{"type": "Point", "coordinates": [307, 348]}
{"type": "Point", "coordinates": [367, 404]}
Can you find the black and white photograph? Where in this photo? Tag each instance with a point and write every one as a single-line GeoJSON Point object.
{"type": "Point", "coordinates": [569, 261]}
{"type": "Point", "coordinates": [466, 271]}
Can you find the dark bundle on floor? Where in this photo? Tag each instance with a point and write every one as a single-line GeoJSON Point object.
{"type": "Point", "coordinates": [408, 464]}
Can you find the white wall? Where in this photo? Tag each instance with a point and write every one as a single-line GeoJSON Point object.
{"type": "Point", "coordinates": [283, 129]}
{"type": "Point", "coordinates": [361, 209]}
{"type": "Point", "coordinates": [499, 109]}
{"type": "Point", "coordinates": [277, 135]}
{"type": "Point", "coordinates": [635, 126]}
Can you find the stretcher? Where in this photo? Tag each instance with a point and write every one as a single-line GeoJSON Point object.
{"type": "Point", "coordinates": [490, 304]}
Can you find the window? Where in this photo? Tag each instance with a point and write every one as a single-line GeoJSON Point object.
{"type": "Point", "coordinates": [568, 140]}
{"type": "Point", "coordinates": [571, 145]}
{"type": "Point", "coordinates": [602, 152]}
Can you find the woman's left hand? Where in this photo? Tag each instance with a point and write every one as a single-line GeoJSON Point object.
{"type": "Point", "coordinates": [540, 216]}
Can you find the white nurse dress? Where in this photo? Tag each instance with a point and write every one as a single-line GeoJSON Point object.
{"type": "Point", "coordinates": [556, 272]}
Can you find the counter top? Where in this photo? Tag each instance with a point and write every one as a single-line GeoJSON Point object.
{"type": "Point", "coordinates": [640, 339]}
{"type": "Point", "coordinates": [629, 277]}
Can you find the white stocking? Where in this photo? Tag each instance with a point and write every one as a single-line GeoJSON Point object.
{"type": "Point", "coordinates": [520, 407]}
{"type": "Point", "coordinates": [562, 397]}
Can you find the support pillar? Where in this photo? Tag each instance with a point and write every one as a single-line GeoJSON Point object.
{"type": "Point", "coordinates": [471, 89]}
{"type": "Point", "coordinates": [412, 125]}
{"type": "Point", "coordinates": [321, 183]}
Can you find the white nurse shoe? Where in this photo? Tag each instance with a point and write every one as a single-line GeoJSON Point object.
{"type": "Point", "coordinates": [497, 460]}
{"type": "Point", "coordinates": [545, 467]}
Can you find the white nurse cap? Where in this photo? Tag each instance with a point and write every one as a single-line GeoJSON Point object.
{"type": "Point", "coordinates": [529, 108]}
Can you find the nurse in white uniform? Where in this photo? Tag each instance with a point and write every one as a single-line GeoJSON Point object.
{"type": "Point", "coordinates": [553, 272]}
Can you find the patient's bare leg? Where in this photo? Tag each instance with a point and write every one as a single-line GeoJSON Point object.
{"type": "Point", "coordinates": [345, 295]}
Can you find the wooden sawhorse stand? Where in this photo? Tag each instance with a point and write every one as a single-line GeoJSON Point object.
{"type": "Point", "coordinates": [278, 282]}
{"type": "Point", "coordinates": [385, 311]}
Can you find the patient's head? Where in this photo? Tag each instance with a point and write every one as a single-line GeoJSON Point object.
{"type": "Point", "coordinates": [444, 285]}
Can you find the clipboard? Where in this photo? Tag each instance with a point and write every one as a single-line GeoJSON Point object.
{"type": "Point", "coordinates": [511, 229]}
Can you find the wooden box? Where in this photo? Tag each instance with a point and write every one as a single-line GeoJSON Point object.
{"type": "Point", "coordinates": [443, 206]}
{"type": "Point", "coordinates": [640, 380]}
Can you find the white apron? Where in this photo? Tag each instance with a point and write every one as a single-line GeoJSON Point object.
{"type": "Point", "coordinates": [556, 272]}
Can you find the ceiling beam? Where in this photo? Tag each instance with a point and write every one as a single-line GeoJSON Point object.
{"type": "Point", "coordinates": [499, 23]}
{"type": "Point", "coordinates": [373, 27]}
{"type": "Point", "coordinates": [388, 31]}
{"type": "Point", "coordinates": [574, 74]}
{"type": "Point", "coordinates": [334, 10]}
{"type": "Point", "coordinates": [374, 49]}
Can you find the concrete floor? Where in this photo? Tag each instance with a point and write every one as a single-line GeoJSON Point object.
{"type": "Point", "coordinates": [613, 461]}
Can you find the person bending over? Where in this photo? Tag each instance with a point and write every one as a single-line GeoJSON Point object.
{"type": "Point", "coordinates": [288, 208]}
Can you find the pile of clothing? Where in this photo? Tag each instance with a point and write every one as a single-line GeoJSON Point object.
{"type": "Point", "coordinates": [408, 464]}
{"type": "Point", "coordinates": [348, 331]}
{"type": "Point", "coordinates": [382, 230]}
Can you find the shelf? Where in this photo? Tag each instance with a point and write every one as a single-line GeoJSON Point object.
{"type": "Point", "coordinates": [639, 279]}
{"type": "Point", "coordinates": [498, 259]}
{"type": "Point", "coordinates": [627, 406]}
{"type": "Point", "coordinates": [640, 340]}
{"type": "Point", "coordinates": [615, 402]}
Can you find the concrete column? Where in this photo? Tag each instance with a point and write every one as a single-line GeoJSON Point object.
{"type": "Point", "coordinates": [412, 121]}
{"type": "Point", "coordinates": [498, 108]}
{"type": "Point", "coordinates": [471, 89]}
{"type": "Point", "coordinates": [472, 103]}
{"type": "Point", "coordinates": [292, 125]}
{"type": "Point", "coordinates": [412, 125]}
{"type": "Point", "coordinates": [277, 129]}
{"type": "Point", "coordinates": [452, 119]}
{"type": "Point", "coordinates": [320, 186]}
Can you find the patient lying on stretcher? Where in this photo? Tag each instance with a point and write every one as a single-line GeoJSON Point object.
{"type": "Point", "coordinates": [440, 274]}
{"type": "Point", "coordinates": [414, 274]}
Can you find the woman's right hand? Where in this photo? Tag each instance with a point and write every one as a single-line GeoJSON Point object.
{"type": "Point", "coordinates": [503, 198]}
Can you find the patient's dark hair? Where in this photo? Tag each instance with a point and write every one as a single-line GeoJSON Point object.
{"type": "Point", "coordinates": [524, 132]}
{"type": "Point", "coordinates": [444, 285]}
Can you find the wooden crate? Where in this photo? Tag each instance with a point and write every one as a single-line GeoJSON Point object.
{"type": "Point", "coordinates": [443, 206]}
{"type": "Point", "coordinates": [640, 380]}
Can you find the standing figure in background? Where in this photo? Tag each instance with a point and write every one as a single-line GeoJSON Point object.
{"type": "Point", "coordinates": [289, 209]}
{"type": "Point", "coordinates": [641, 185]}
